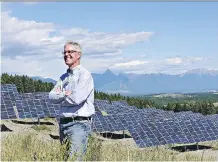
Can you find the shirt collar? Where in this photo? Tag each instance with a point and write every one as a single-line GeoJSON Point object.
{"type": "Point", "coordinates": [73, 70]}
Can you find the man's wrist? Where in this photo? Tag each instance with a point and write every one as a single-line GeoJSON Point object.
{"type": "Point", "coordinates": [62, 94]}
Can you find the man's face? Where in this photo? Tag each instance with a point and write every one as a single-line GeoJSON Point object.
{"type": "Point", "coordinates": [71, 56]}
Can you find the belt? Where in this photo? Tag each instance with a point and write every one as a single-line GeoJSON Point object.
{"type": "Point", "coordinates": [82, 118]}
{"type": "Point", "coordinates": [76, 118]}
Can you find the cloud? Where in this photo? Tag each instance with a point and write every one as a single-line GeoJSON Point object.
{"type": "Point", "coordinates": [105, 55]}
{"type": "Point", "coordinates": [21, 37]}
{"type": "Point", "coordinates": [118, 91]}
{"type": "Point", "coordinates": [174, 65]}
{"type": "Point", "coordinates": [184, 60]}
{"type": "Point", "coordinates": [34, 48]}
{"type": "Point", "coordinates": [104, 43]}
{"type": "Point", "coordinates": [130, 63]}
{"type": "Point", "coordinates": [30, 3]}
{"type": "Point", "coordinates": [33, 66]}
{"type": "Point", "coordinates": [174, 61]}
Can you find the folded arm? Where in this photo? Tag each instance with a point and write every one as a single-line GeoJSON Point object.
{"type": "Point", "coordinates": [82, 90]}
{"type": "Point", "coordinates": [57, 95]}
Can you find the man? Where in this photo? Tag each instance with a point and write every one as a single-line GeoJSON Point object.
{"type": "Point", "coordinates": [75, 91]}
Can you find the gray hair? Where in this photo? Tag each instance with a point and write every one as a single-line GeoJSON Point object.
{"type": "Point", "coordinates": [75, 45]}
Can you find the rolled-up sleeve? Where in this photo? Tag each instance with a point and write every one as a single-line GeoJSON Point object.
{"type": "Point", "coordinates": [82, 90]}
{"type": "Point", "coordinates": [54, 96]}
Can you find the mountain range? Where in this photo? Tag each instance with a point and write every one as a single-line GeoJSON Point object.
{"type": "Point", "coordinates": [196, 80]}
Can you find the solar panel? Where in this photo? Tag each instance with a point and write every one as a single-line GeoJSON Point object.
{"type": "Point", "coordinates": [112, 109]}
{"type": "Point", "coordinates": [114, 123]}
{"type": "Point", "coordinates": [27, 96]}
{"type": "Point", "coordinates": [35, 95]}
{"type": "Point", "coordinates": [98, 101]}
{"type": "Point", "coordinates": [188, 115]}
{"type": "Point", "coordinates": [150, 132]}
{"type": "Point", "coordinates": [53, 109]}
{"type": "Point", "coordinates": [170, 132]}
{"type": "Point", "coordinates": [41, 95]}
{"type": "Point", "coordinates": [109, 123]}
{"type": "Point", "coordinates": [30, 108]}
{"type": "Point", "coordinates": [7, 109]}
{"type": "Point", "coordinates": [10, 95]}
{"type": "Point", "coordinates": [9, 87]}
{"type": "Point", "coordinates": [15, 96]}
{"type": "Point", "coordinates": [120, 103]}
{"type": "Point", "coordinates": [140, 136]}
{"type": "Point", "coordinates": [213, 118]}
{"type": "Point", "coordinates": [99, 123]}
{"type": "Point", "coordinates": [102, 105]}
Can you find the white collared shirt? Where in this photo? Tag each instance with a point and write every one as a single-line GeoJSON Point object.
{"type": "Point", "coordinates": [81, 101]}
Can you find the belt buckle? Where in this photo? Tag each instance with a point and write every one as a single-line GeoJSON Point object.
{"type": "Point", "coordinates": [73, 117]}
{"type": "Point", "coordinates": [79, 118]}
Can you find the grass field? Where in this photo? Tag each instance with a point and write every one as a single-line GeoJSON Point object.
{"type": "Point", "coordinates": [34, 144]}
{"type": "Point", "coordinates": [215, 103]}
{"type": "Point", "coordinates": [30, 147]}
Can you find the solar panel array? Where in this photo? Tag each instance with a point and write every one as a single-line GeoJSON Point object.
{"type": "Point", "coordinates": [36, 108]}
{"type": "Point", "coordinates": [27, 105]}
{"type": "Point", "coordinates": [152, 127]}
{"type": "Point", "coordinates": [9, 87]}
{"type": "Point", "coordinates": [7, 109]}
{"type": "Point", "coordinates": [148, 126]}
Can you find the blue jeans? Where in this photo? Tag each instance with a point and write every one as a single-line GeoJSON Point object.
{"type": "Point", "coordinates": [75, 134]}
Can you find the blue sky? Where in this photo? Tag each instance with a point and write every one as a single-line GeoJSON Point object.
{"type": "Point", "coordinates": [138, 37]}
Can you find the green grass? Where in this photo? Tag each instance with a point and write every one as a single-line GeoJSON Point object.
{"type": "Point", "coordinates": [30, 147]}
{"type": "Point", "coordinates": [41, 128]}
{"type": "Point", "coordinates": [104, 113]}
{"type": "Point", "coordinates": [215, 104]}
{"type": "Point", "coordinates": [47, 119]}
{"type": "Point", "coordinates": [215, 146]}
{"type": "Point", "coordinates": [176, 145]}
{"type": "Point", "coordinates": [27, 147]}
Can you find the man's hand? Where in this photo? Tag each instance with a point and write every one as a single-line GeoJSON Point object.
{"type": "Point", "coordinates": [67, 93]}
{"type": "Point", "coordinates": [58, 90]}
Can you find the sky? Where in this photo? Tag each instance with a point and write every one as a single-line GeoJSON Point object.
{"type": "Point", "coordinates": [125, 37]}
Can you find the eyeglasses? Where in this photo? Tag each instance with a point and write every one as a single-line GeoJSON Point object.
{"type": "Point", "coordinates": [70, 52]}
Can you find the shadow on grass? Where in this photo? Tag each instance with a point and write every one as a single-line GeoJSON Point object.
{"type": "Point", "coordinates": [55, 137]}
{"type": "Point", "coordinates": [32, 123]}
{"type": "Point", "coordinates": [114, 135]}
{"type": "Point", "coordinates": [5, 129]}
{"type": "Point", "coordinates": [190, 148]}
